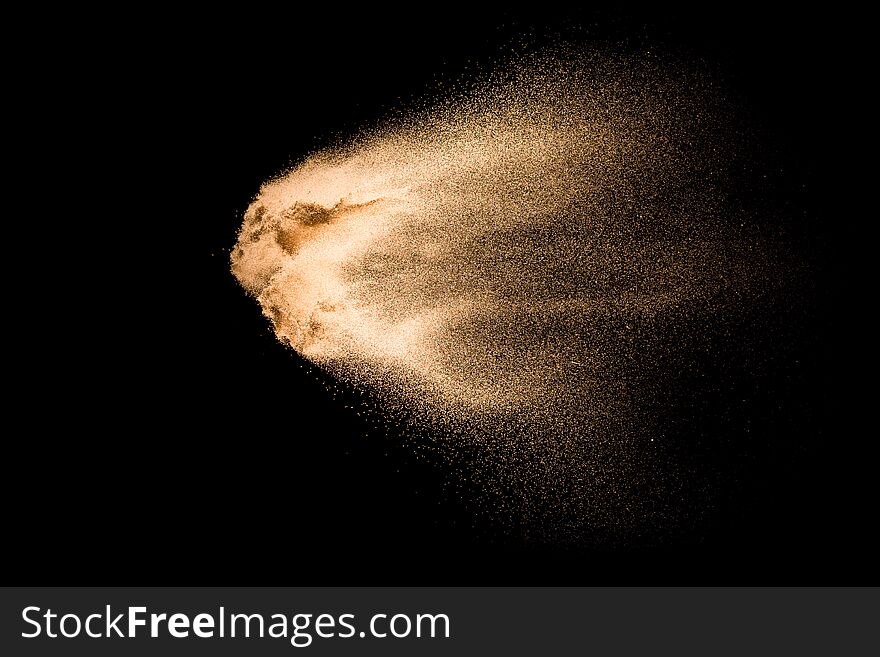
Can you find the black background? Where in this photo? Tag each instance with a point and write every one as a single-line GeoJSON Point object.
{"type": "Point", "coordinates": [169, 438]}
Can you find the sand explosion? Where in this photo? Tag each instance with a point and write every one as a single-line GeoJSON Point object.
{"type": "Point", "coordinates": [519, 269]}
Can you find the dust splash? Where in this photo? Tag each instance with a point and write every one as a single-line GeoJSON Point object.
{"type": "Point", "coordinates": [518, 269]}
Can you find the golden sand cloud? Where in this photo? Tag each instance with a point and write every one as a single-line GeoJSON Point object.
{"type": "Point", "coordinates": [498, 266]}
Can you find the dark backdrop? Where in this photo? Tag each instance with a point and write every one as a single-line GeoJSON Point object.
{"type": "Point", "coordinates": [177, 442]}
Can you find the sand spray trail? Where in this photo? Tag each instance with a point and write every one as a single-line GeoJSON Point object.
{"type": "Point", "coordinates": [508, 265]}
